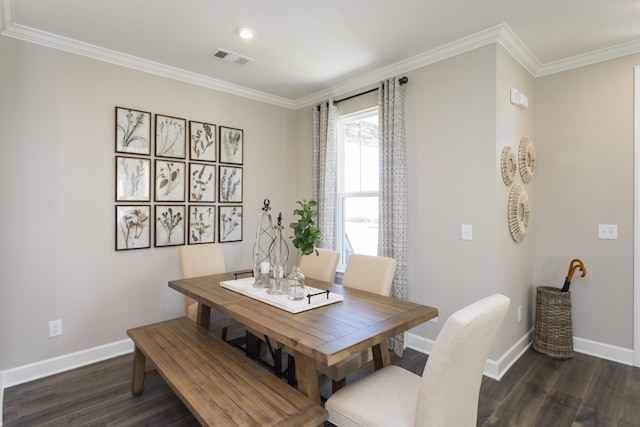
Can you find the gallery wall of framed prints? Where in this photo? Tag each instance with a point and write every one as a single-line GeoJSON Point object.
{"type": "Point", "coordinates": [177, 181]}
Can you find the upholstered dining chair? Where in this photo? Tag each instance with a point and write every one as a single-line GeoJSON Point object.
{"type": "Point", "coordinates": [320, 267]}
{"type": "Point", "coordinates": [367, 273]}
{"type": "Point", "coordinates": [202, 260]}
{"type": "Point", "coordinates": [446, 394]}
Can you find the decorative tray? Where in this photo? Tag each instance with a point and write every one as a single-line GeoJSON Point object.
{"type": "Point", "coordinates": [314, 297]}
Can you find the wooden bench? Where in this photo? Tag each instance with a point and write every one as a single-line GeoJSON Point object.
{"type": "Point", "coordinates": [218, 383]}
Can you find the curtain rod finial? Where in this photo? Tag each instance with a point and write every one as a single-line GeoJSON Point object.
{"type": "Point", "coordinates": [404, 80]}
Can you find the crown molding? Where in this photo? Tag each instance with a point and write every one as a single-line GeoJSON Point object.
{"type": "Point", "coordinates": [448, 50]}
{"type": "Point", "coordinates": [518, 50]}
{"type": "Point", "coordinates": [589, 58]}
{"type": "Point", "coordinates": [501, 34]}
{"type": "Point", "coordinates": [21, 32]}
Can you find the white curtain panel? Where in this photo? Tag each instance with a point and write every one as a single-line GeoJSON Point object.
{"type": "Point", "coordinates": [325, 169]}
{"type": "Point", "coordinates": [392, 237]}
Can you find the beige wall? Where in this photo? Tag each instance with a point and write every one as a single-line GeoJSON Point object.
{"type": "Point", "coordinates": [584, 140]}
{"type": "Point", "coordinates": [458, 119]}
{"type": "Point", "coordinates": [57, 258]}
{"type": "Point", "coordinates": [513, 261]}
{"type": "Point", "coordinates": [451, 132]}
{"type": "Point", "coordinates": [56, 225]}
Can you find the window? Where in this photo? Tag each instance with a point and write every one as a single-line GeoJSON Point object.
{"type": "Point", "coordinates": [358, 178]}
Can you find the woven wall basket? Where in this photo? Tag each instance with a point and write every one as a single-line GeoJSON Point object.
{"type": "Point", "coordinates": [553, 333]}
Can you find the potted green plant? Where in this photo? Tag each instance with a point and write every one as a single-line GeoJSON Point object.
{"type": "Point", "coordinates": [305, 238]}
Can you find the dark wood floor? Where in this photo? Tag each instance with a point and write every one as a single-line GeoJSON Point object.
{"type": "Point", "coordinates": [537, 391]}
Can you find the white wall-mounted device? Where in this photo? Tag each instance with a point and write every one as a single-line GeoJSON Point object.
{"type": "Point", "coordinates": [519, 99]}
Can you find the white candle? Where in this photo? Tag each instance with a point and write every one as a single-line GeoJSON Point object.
{"type": "Point", "coordinates": [265, 267]}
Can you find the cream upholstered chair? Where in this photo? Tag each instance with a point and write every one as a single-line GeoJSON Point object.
{"type": "Point", "coordinates": [320, 267]}
{"type": "Point", "coordinates": [445, 395]}
{"type": "Point", "coordinates": [367, 273]}
{"type": "Point", "coordinates": [202, 260]}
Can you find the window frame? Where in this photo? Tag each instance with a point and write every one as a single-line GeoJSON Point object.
{"type": "Point", "coordinates": [341, 193]}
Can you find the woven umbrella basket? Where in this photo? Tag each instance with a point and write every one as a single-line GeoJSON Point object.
{"type": "Point", "coordinates": [553, 334]}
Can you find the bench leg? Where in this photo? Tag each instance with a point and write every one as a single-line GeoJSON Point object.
{"type": "Point", "coordinates": [137, 384]}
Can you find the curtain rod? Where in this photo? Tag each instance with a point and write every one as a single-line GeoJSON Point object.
{"type": "Point", "coordinates": [403, 80]}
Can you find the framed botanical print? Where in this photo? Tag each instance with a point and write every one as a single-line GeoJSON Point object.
{"type": "Point", "coordinates": [169, 225]}
{"type": "Point", "coordinates": [133, 179]}
{"type": "Point", "coordinates": [133, 131]}
{"type": "Point", "coordinates": [202, 141]}
{"type": "Point", "coordinates": [169, 183]}
{"type": "Point", "coordinates": [202, 221]}
{"type": "Point", "coordinates": [202, 182]}
{"type": "Point", "coordinates": [229, 224]}
{"type": "Point", "coordinates": [230, 184]}
{"type": "Point", "coordinates": [133, 227]}
{"type": "Point", "coordinates": [170, 137]}
{"type": "Point", "coordinates": [231, 145]}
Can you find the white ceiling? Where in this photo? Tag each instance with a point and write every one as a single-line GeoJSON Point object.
{"type": "Point", "coordinates": [306, 50]}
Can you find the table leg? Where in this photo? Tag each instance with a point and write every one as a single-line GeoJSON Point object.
{"type": "Point", "coordinates": [307, 376]}
{"type": "Point", "coordinates": [381, 356]}
{"type": "Point", "coordinates": [204, 315]}
{"type": "Point", "coordinates": [137, 384]}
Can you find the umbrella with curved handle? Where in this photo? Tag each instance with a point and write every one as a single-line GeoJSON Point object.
{"type": "Point", "coordinates": [573, 265]}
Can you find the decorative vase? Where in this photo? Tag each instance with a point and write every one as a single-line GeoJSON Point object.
{"type": "Point", "coordinates": [295, 280]}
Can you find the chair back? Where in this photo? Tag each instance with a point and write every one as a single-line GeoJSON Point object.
{"type": "Point", "coordinates": [320, 267]}
{"type": "Point", "coordinates": [200, 260]}
{"type": "Point", "coordinates": [452, 376]}
{"type": "Point", "coordinates": [370, 273]}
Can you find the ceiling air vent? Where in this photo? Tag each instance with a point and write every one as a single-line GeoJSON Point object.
{"type": "Point", "coordinates": [234, 58]}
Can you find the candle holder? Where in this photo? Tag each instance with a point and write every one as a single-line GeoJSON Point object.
{"type": "Point", "coordinates": [261, 247]}
{"type": "Point", "coordinates": [278, 256]}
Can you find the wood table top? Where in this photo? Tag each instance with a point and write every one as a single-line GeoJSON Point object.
{"type": "Point", "coordinates": [327, 334]}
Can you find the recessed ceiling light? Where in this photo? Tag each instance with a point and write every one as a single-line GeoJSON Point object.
{"type": "Point", "coordinates": [246, 33]}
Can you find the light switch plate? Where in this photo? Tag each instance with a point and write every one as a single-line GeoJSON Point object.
{"type": "Point", "coordinates": [466, 232]}
{"type": "Point", "coordinates": [607, 231]}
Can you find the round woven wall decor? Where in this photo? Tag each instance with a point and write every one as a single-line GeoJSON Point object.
{"type": "Point", "coordinates": [508, 165]}
{"type": "Point", "coordinates": [526, 160]}
{"type": "Point", "coordinates": [518, 212]}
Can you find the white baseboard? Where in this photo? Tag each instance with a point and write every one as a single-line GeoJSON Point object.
{"type": "Point", "coordinates": [496, 369]}
{"type": "Point", "coordinates": [418, 343]}
{"type": "Point", "coordinates": [44, 368]}
{"type": "Point", "coordinates": [492, 369]}
{"type": "Point", "coordinates": [603, 351]}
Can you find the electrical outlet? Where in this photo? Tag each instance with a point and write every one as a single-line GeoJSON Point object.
{"type": "Point", "coordinates": [55, 328]}
{"type": "Point", "coordinates": [519, 314]}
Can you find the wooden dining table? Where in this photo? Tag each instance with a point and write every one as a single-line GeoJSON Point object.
{"type": "Point", "coordinates": [326, 334]}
